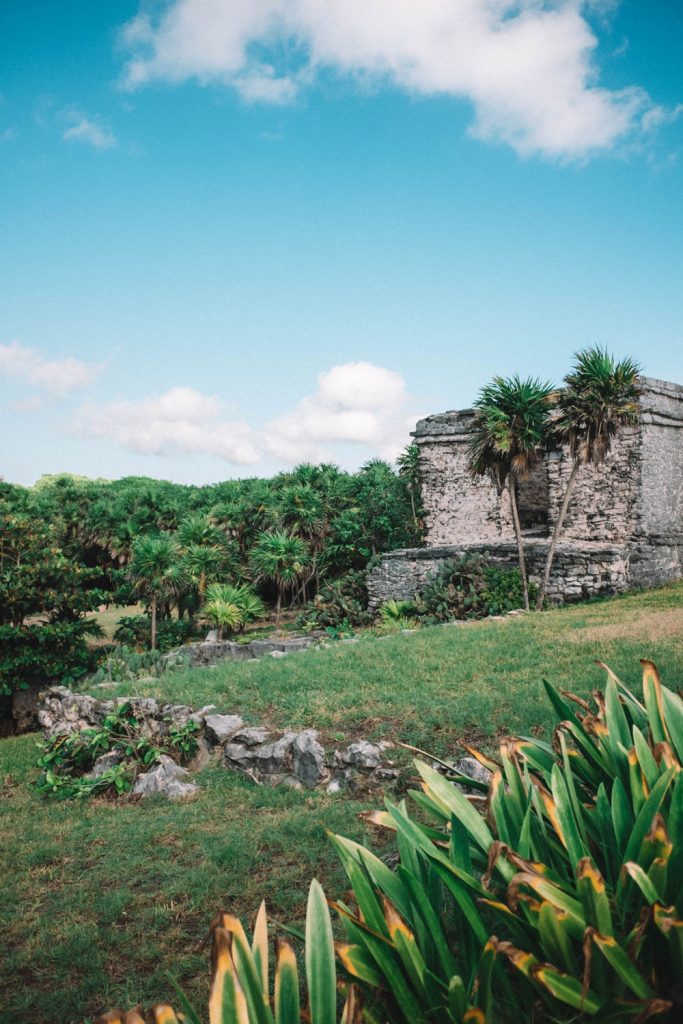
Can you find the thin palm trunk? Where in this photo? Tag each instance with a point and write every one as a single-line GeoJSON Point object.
{"type": "Point", "coordinates": [278, 606]}
{"type": "Point", "coordinates": [556, 534]}
{"type": "Point", "coordinates": [512, 488]}
{"type": "Point", "coordinates": [153, 637]}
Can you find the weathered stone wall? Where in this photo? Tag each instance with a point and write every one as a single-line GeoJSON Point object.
{"type": "Point", "coordinates": [634, 502]}
{"type": "Point", "coordinates": [533, 499]}
{"type": "Point", "coordinates": [661, 509]}
{"type": "Point", "coordinates": [458, 508]}
{"type": "Point", "coordinates": [580, 571]}
{"type": "Point", "coordinates": [605, 502]}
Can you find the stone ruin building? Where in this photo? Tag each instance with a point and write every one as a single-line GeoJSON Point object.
{"type": "Point", "coordinates": [624, 525]}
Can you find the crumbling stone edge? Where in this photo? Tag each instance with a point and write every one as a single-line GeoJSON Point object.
{"type": "Point", "coordinates": [267, 756]}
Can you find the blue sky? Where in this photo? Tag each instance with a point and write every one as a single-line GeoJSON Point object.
{"type": "Point", "coordinates": [239, 236]}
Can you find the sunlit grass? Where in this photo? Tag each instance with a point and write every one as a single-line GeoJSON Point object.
{"type": "Point", "coordinates": [99, 899]}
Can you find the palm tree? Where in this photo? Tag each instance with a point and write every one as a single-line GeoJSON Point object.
{"type": "Point", "coordinates": [241, 596]}
{"type": "Point", "coordinates": [280, 558]}
{"type": "Point", "coordinates": [155, 573]}
{"type": "Point", "coordinates": [203, 564]}
{"type": "Point", "coordinates": [600, 398]}
{"type": "Point", "coordinates": [303, 511]}
{"type": "Point", "coordinates": [223, 614]}
{"type": "Point", "coordinates": [509, 438]}
{"type": "Point", "coordinates": [200, 530]}
{"type": "Point", "coordinates": [408, 463]}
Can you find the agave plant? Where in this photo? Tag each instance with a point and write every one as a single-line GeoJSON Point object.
{"type": "Point", "coordinates": [578, 865]}
{"type": "Point", "coordinates": [562, 902]}
{"type": "Point", "coordinates": [241, 991]}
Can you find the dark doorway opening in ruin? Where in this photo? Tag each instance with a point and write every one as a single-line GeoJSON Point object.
{"type": "Point", "coordinates": [532, 499]}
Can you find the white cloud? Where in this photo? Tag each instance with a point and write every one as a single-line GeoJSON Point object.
{"type": "Point", "coordinates": [58, 376]}
{"type": "Point", "coordinates": [356, 404]}
{"type": "Point", "coordinates": [181, 420]}
{"type": "Point", "coordinates": [527, 66]}
{"type": "Point", "coordinates": [85, 129]}
{"type": "Point", "coordinates": [31, 404]}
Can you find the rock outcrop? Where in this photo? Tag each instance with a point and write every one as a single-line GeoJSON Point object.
{"type": "Point", "coordinates": [292, 758]}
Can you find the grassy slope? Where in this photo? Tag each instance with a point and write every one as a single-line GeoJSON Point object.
{"type": "Point", "coordinates": [99, 899]}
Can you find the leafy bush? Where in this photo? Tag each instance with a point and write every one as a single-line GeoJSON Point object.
{"type": "Point", "coordinates": [562, 903]}
{"type": "Point", "coordinates": [229, 607]}
{"type": "Point", "coordinates": [395, 616]}
{"type": "Point", "coordinates": [67, 762]}
{"type": "Point", "coordinates": [470, 588]}
{"type": "Point", "coordinates": [44, 596]}
{"type": "Point", "coordinates": [343, 600]}
{"type": "Point", "coordinates": [135, 631]}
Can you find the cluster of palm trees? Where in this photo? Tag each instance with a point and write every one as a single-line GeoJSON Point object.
{"type": "Point", "coordinates": [284, 536]}
{"type": "Point", "coordinates": [197, 570]}
{"type": "Point", "coordinates": [517, 422]}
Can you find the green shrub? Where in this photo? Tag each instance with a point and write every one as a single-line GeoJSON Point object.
{"type": "Point", "coordinates": [342, 601]}
{"type": "Point", "coordinates": [470, 588]}
{"type": "Point", "coordinates": [395, 616]}
{"type": "Point", "coordinates": [135, 631]}
{"type": "Point", "coordinates": [44, 597]}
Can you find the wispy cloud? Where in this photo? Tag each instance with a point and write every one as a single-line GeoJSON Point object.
{"type": "Point", "coordinates": [88, 130]}
{"type": "Point", "coordinates": [355, 405]}
{"type": "Point", "coordinates": [56, 376]}
{"type": "Point", "coordinates": [31, 404]}
{"type": "Point", "coordinates": [528, 67]}
{"type": "Point", "coordinates": [182, 420]}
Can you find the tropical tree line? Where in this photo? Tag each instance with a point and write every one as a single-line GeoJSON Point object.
{"type": "Point", "coordinates": [223, 552]}
{"type": "Point", "coordinates": [518, 421]}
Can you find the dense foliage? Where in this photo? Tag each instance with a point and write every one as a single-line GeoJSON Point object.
{"type": "Point", "coordinates": [469, 588]}
{"type": "Point", "coordinates": [43, 595]}
{"type": "Point", "coordinates": [563, 902]}
{"type": "Point", "coordinates": [69, 544]}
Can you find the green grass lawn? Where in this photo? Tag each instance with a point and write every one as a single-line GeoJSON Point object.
{"type": "Point", "coordinates": [99, 899]}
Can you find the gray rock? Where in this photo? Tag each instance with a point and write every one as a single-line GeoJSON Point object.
{"type": "Point", "coordinates": [270, 758]}
{"type": "Point", "coordinates": [261, 648]}
{"type": "Point", "coordinates": [237, 755]}
{"type": "Point", "coordinates": [278, 654]}
{"type": "Point", "coordinates": [25, 705]}
{"type": "Point", "coordinates": [297, 643]}
{"type": "Point", "coordinates": [166, 779]}
{"type": "Point", "coordinates": [211, 637]}
{"type": "Point", "coordinates": [470, 766]}
{"type": "Point", "coordinates": [308, 758]}
{"type": "Point", "coordinates": [63, 712]}
{"type": "Point", "coordinates": [334, 786]}
{"type": "Point", "coordinates": [220, 728]}
{"type": "Point", "coordinates": [252, 736]}
{"type": "Point", "coordinates": [266, 762]}
{"type": "Point", "coordinates": [104, 763]}
{"type": "Point", "coordinates": [360, 755]}
{"type": "Point", "coordinates": [199, 716]}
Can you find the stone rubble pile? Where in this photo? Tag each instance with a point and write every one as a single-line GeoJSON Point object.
{"type": "Point", "coordinates": [268, 757]}
{"type": "Point", "coordinates": [211, 650]}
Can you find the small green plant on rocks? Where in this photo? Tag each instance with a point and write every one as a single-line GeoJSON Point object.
{"type": "Point", "coordinates": [68, 763]}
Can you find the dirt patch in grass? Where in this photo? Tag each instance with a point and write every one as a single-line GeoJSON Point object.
{"type": "Point", "coordinates": [658, 624]}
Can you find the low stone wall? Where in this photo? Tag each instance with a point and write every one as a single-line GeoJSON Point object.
{"type": "Point", "coordinates": [207, 652]}
{"type": "Point", "coordinates": [268, 756]}
{"type": "Point", "coordinates": [579, 571]}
